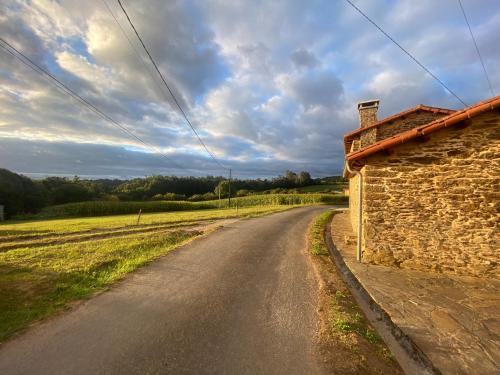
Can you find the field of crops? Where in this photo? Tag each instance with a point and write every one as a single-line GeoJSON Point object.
{"type": "Point", "coordinates": [103, 208]}
{"type": "Point", "coordinates": [324, 188]}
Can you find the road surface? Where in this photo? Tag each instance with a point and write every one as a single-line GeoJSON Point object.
{"type": "Point", "coordinates": [239, 301]}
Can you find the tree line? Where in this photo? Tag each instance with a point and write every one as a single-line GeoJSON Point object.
{"type": "Point", "coordinates": [20, 194]}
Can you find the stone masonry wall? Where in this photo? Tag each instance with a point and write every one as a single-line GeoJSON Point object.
{"type": "Point", "coordinates": [367, 116]}
{"type": "Point", "coordinates": [435, 205]}
{"type": "Point", "coordinates": [354, 202]}
{"type": "Point", "coordinates": [368, 137]}
{"type": "Point", "coordinates": [406, 123]}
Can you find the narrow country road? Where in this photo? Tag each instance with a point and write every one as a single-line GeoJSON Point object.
{"type": "Point", "coordinates": [239, 301]}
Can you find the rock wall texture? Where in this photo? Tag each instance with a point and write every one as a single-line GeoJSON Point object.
{"type": "Point", "coordinates": [406, 123]}
{"type": "Point", "coordinates": [368, 137]}
{"type": "Point", "coordinates": [367, 116]}
{"type": "Point", "coordinates": [435, 204]}
{"type": "Point", "coordinates": [354, 202]}
{"type": "Point", "coordinates": [386, 130]}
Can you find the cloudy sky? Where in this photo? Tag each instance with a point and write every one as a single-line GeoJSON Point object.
{"type": "Point", "coordinates": [269, 85]}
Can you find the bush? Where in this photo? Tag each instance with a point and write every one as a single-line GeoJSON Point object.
{"type": "Point", "coordinates": [242, 193]}
{"type": "Point", "coordinates": [173, 197]}
{"type": "Point", "coordinates": [209, 196]}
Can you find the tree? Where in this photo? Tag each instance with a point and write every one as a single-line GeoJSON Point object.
{"type": "Point", "coordinates": [304, 178]}
{"type": "Point", "coordinates": [291, 177]}
{"type": "Point", "coordinates": [19, 194]}
{"type": "Point", "coordinates": [223, 188]}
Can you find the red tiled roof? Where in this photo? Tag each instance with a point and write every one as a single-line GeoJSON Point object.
{"type": "Point", "coordinates": [444, 122]}
{"type": "Point", "coordinates": [349, 137]}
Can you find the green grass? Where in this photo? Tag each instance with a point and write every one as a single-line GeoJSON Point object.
{"type": "Point", "coordinates": [105, 208]}
{"type": "Point", "coordinates": [346, 317]}
{"type": "Point", "coordinates": [35, 283]}
{"type": "Point", "coordinates": [54, 226]}
{"type": "Point", "coordinates": [317, 234]}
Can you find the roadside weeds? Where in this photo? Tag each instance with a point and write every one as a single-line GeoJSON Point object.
{"type": "Point", "coordinates": [348, 343]}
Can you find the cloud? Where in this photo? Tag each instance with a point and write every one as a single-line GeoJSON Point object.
{"type": "Point", "coordinates": [304, 58]}
{"type": "Point", "coordinates": [311, 89]}
{"type": "Point", "coordinates": [268, 85]}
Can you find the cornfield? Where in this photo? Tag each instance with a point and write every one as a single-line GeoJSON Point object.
{"type": "Point", "coordinates": [103, 208]}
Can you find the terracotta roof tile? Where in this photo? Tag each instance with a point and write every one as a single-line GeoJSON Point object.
{"type": "Point", "coordinates": [444, 122]}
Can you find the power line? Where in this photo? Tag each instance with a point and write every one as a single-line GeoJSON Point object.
{"type": "Point", "coordinates": [25, 60]}
{"type": "Point", "coordinates": [477, 48]}
{"type": "Point", "coordinates": [168, 88]}
{"type": "Point", "coordinates": [405, 51]}
{"type": "Point", "coordinates": [138, 55]}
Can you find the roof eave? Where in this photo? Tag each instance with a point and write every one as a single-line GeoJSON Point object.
{"type": "Point", "coordinates": [452, 119]}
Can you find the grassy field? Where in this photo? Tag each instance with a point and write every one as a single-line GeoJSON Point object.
{"type": "Point", "coordinates": [39, 227]}
{"type": "Point", "coordinates": [46, 264]}
{"type": "Point", "coordinates": [103, 208]}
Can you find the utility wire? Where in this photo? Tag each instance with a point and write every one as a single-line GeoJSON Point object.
{"type": "Point", "coordinates": [405, 51]}
{"type": "Point", "coordinates": [139, 56]}
{"type": "Point", "coordinates": [477, 48]}
{"type": "Point", "coordinates": [25, 60]}
{"type": "Point", "coordinates": [168, 88]}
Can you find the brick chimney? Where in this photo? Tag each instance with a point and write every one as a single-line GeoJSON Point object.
{"type": "Point", "coordinates": [368, 112]}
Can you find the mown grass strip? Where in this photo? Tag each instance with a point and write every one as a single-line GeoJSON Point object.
{"type": "Point", "coordinates": [13, 229]}
{"type": "Point", "coordinates": [35, 283]}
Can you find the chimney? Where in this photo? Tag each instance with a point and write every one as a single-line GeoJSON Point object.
{"type": "Point", "coordinates": [368, 112]}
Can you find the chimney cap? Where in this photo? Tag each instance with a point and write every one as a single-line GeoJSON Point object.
{"type": "Point", "coordinates": [373, 103]}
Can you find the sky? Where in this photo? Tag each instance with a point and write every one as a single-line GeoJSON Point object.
{"type": "Point", "coordinates": [268, 85]}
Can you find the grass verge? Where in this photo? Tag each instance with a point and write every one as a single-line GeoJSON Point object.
{"type": "Point", "coordinates": [317, 233]}
{"type": "Point", "coordinates": [349, 344]}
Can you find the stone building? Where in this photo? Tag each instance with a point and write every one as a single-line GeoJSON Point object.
{"type": "Point", "coordinates": [430, 187]}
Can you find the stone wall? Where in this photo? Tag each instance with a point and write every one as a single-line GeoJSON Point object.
{"type": "Point", "coordinates": [435, 204]}
{"type": "Point", "coordinates": [372, 135]}
{"type": "Point", "coordinates": [368, 137]}
{"type": "Point", "coordinates": [354, 202]}
{"type": "Point", "coordinates": [406, 123]}
{"type": "Point", "coordinates": [367, 116]}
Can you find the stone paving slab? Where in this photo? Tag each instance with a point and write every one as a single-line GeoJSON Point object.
{"type": "Point", "coordinates": [454, 320]}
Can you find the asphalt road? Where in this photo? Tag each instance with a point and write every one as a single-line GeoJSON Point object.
{"type": "Point", "coordinates": [239, 301]}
